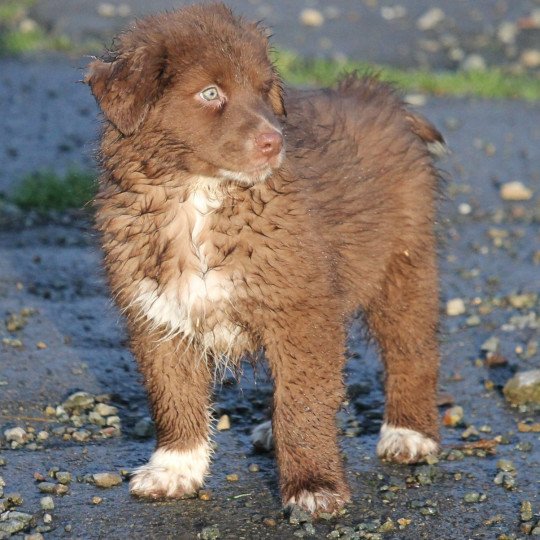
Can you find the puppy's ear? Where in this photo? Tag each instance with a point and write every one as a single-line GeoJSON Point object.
{"type": "Point", "coordinates": [276, 95]}
{"type": "Point", "coordinates": [128, 86]}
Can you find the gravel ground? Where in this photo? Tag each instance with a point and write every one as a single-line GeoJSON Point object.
{"type": "Point", "coordinates": [59, 334]}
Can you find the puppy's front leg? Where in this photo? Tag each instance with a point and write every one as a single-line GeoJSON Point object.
{"type": "Point", "coordinates": [306, 356]}
{"type": "Point", "coordinates": [178, 382]}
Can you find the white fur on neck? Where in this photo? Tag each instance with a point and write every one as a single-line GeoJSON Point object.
{"type": "Point", "coordinates": [171, 473]}
{"type": "Point", "coordinates": [180, 305]}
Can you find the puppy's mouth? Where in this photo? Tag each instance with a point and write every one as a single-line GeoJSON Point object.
{"type": "Point", "coordinates": [256, 174]}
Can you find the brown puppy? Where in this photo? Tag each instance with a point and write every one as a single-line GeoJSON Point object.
{"type": "Point", "coordinates": [229, 227]}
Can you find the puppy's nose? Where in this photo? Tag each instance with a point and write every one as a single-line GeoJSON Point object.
{"type": "Point", "coordinates": [270, 143]}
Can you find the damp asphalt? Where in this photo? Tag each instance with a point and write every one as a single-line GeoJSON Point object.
{"type": "Point", "coordinates": [60, 334]}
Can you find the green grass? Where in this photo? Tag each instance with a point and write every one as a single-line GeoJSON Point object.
{"type": "Point", "coordinates": [492, 83]}
{"type": "Point", "coordinates": [14, 42]}
{"type": "Point", "coordinates": [13, 10]}
{"type": "Point", "coordinates": [46, 190]}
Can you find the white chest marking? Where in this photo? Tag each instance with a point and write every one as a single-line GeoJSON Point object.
{"type": "Point", "coordinates": [182, 304]}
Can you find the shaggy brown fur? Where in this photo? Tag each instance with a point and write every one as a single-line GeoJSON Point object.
{"type": "Point", "coordinates": [222, 237]}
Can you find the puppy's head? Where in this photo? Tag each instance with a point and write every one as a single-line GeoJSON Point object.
{"type": "Point", "coordinates": [197, 85]}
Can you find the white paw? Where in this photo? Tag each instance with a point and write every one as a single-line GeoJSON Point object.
{"type": "Point", "coordinates": [262, 438]}
{"type": "Point", "coordinates": [404, 445]}
{"type": "Point", "coordinates": [318, 501]}
{"type": "Point", "coordinates": [171, 473]}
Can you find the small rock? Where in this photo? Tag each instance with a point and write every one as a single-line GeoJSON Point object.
{"type": "Point", "coordinates": [269, 522]}
{"type": "Point", "coordinates": [41, 345]}
{"type": "Point", "coordinates": [253, 467]}
{"type": "Point", "coordinates": [471, 431]}
{"type": "Point", "coordinates": [515, 191]}
{"type": "Point", "coordinates": [455, 307]}
{"type": "Point", "coordinates": [113, 421]}
{"type": "Point", "coordinates": [144, 428]}
{"type": "Point", "coordinates": [464, 209]}
{"type": "Point", "coordinates": [232, 477]}
{"type": "Point", "coordinates": [530, 58]}
{"type": "Point", "coordinates": [507, 32]}
{"type": "Point", "coordinates": [97, 500]}
{"type": "Point", "coordinates": [105, 410]}
{"type": "Point", "coordinates": [96, 418]}
{"type": "Point", "coordinates": [311, 17]}
{"type": "Point", "coordinates": [13, 522]}
{"type": "Point", "coordinates": [16, 434]}
{"type": "Point", "coordinates": [209, 533]}
{"type": "Point", "coordinates": [14, 499]}
{"type": "Point", "coordinates": [106, 479]}
{"type": "Point", "coordinates": [81, 435]}
{"type": "Point", "coordinates": [47, 503]}
{"type": "Point", "coordinates": [47, 518]}
{"type": "Point", "coordinates": [430, 19]}
{"type": "Point", "coordinates": [63, 477]}
{"type": "Point", "coordinates": [526, 511]}
{"type": "Point", "coordinates": [473, 62]}
{"type": "Point", "coordinates": [298, 516]}
{"type": "Point", "coordinates": [224, 423]}
{"type": "Point", "coordinates": [491, 345]}
{"type": "Point", "coordinates": [506, 480]}
{"type": "Point", "coordinates": [505, 465]}
{"type": "Point", "coordinates": [204, 495]}
{"type": "Point", "coordinates": [43, 435]}
{"type": "Point", "coordinates": [472, 497]}
{"type": "Point", "coordinates": [417, 100]}
{"type": "Point", "coordinates": [105, 9]}
{"type": "Point", "coordinates": [523, 388]}
{"type": "Point", "coordinates": [79, 400]}
{"type": "Point", "coordinates": [453, 416]}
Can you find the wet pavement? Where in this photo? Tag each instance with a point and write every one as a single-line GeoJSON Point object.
{"type": "Point", "coordinates": [59, 334]}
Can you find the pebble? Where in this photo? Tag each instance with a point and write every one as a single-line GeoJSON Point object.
{"type": "Point", "coordinates": [491, 345]}
{"type": "Point", "coordinates": [523, 388]}
{"type": "Point", "coordinates": [298, 516]}
{"type": "Point", "coordinates": [47, 503]}
{"type": "Point", "coordinates": [474, 497]}
{"type": "Point", "coordinates": [63, 477]}
{"type": "Point", "coordinates": [47, 518]}
{"type": "Point", "coordinates": [416, 100]}
{"type": "Point", "coordinates": [253, 467]}
{"type": "Point", "coordinates": [14, 499]}
{"type": "Point", "coordinates": [105, 410]}
{"type": "Point", "coordinates": [79, 400]}
{"type": "Point", "coordinates": [473, 62]}
{"type": "Point", "coordinates": [209, 533]}
{"type": "Point", "coordinates": [506, 480]}
{"type": "Point", "coordinates": [97, 500]}
{"type": "Point", "coordinates": [311, 17]}
{"type": "Point", "coordinates": [526, 511]}
{"type": "Point", "coordinates": [81, 435]}
{"type": "Point", "coordinates": [12, 522]}
{"type": "Point", "coordinates": [464, 209]}
{"type": "Point", "coordinates": [43, 435]}
{"type": "Point", "coordinates": [430, 19]}
{"type": "Point", "coordinates": [106, 479]}
{"type": "Point", "coordinates": [224, 423]}
{"type": "Point", "coordinates": [515, 191]}
{"type": "Point", "coordinates": [232, 477]}
{"type": "Point", "coordinates": [144, 428]}
{"type": "Point", "coordinates": [269, 522]}
{"type": "Point", "coordinates": [204, 495]}
{"type": "Point", "coordinates": [453, 416]}
{"type": "Point", "coordinates": [507, 32]}
{"type": "Point", "coordinates": [16, 434]}
{"type": "Point", "coordinates": [505, 465]}
{"type": "Point", "coordinates": [530, 58]}
{"type": "Point", "coordinates": [455, 307]}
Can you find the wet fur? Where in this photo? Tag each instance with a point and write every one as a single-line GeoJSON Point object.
{"type": "Point", "coordinates": [209, 261]}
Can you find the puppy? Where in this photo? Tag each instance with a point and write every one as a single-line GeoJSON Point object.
{"type": "Point", "coordinates": [236, 217]}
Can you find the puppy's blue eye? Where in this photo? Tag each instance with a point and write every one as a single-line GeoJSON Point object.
{"type": "Point", "coordinates": [210, 94]}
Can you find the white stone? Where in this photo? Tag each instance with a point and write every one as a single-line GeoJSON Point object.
{"type": "Point", "coordinates": [515, 191]}
{"type": "Point", "coordinates": [311, 17]}
{"type": "Point", "coordinates": [455, 307]}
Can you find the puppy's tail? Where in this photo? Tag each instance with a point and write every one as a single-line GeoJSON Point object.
{"type": "Point", "coordinates": [428, 133]}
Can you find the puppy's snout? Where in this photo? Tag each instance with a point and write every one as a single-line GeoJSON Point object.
{"type": "Point", "coordinates": [270, 143]}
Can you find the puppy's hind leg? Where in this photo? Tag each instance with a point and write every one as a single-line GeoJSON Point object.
{"type": "Point", "coordinates": [178, 383]}
{"type": "Point", "coordinates": [404, 321]}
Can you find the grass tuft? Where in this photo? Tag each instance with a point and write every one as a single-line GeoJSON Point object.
{"type": "Point", "coordinates": [46, 190]}
{"type": "Point", "coordinates": [493, 83]}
